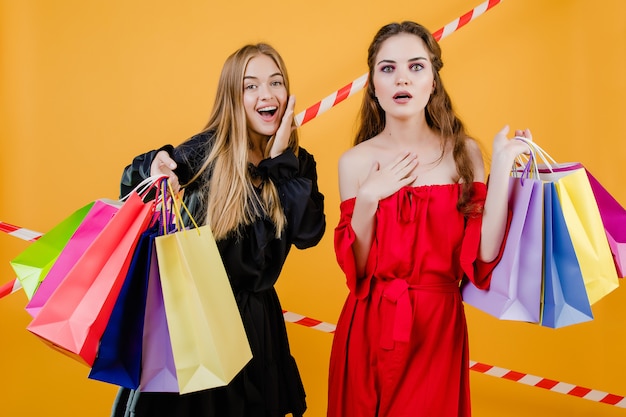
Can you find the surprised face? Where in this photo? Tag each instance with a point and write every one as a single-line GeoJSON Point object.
{"type": "Point", "coordinates": [264, 97]}
{"type": "Point", "coordinates": [403, 76]}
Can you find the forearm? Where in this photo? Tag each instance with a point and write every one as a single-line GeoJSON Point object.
{"type": "Point", "coordinates": [496, 210]}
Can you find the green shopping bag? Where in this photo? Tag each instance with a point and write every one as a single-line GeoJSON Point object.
{"type": "Point", "coordinates": [32, 265]}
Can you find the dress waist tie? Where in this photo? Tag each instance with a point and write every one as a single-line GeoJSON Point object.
{"type": "Point", "coordinates": [397, 311]}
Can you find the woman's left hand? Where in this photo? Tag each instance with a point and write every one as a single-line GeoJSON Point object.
{"type": "Point", "coordinates": [281, 138]}
{"type": "Point", "coordinates": [506, 150]}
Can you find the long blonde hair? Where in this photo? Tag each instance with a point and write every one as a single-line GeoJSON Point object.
{"type": "Point", "coordinates": [231, 199]}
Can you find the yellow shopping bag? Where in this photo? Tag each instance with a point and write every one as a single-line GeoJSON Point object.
{"type": "Point", "coordinates": [209, 342]}
{"type": "Point", "coordinates": [584, 223]}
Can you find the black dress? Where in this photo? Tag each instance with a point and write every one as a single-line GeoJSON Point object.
{"type": "Point", "coordinates": [270, 384]}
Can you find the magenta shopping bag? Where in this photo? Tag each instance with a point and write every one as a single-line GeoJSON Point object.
{"type": "Point", "coordinates": [94, 222]}
{"type": "Point", "coordinates": [614, 220]}
{"type": "Point", "coordinates": [515, 289]}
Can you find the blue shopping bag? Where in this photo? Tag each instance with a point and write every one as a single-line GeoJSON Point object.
{"type": "Point", "coordinates": [565, 300]}
{"type": "Point", "coordinates": [118, 360]}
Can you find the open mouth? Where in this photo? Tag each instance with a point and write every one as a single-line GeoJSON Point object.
{"type": "Point", "coordinates": [402, 95]}
{"type": "Point", "coordinates": [268, 111]}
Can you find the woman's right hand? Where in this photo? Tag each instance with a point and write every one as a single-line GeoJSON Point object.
{"type": "Point", "coordinates": [382, 182]}
{"type": "Point", "coordinates": [164, 165]}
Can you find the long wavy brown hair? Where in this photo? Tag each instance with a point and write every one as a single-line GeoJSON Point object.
{"type": "Point", "coordinates": [231, 198]}
{"type": "Point", "coordinates": [440, 115]}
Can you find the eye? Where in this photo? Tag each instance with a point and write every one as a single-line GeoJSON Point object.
{"type": "Point", "coordinates": [249, 86]}
{"type": "Point", "coordinates": [387, 68]}
{"type": "Point", "coordinates": [276, 83]}
{"type": "Point", "coordinates": [416, 67]}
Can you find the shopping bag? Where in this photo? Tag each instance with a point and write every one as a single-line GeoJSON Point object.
{"type": "Point", "coordinates": [614, 220]}
{"type": "Point", "coordinates": [584, 223]}
{"type": "Point", "coordinates": [158, 372]}
{"type": "Point", "coordinates": [118, 360]}
{"type": "Point", "coordinates": [74, 317]}
{"type": "Point", "coordinates": [209, 343]}
{"type": "Point", "coordinates": [585, 226]}
{"type": "Point", "coordinates": [515, 289]}
{"type": "Point", "coordinates": [565, 299]}
{"type": "Point", "coordinates": [100, 213]}
{"type": "Point", "coordinates": [32, 265]}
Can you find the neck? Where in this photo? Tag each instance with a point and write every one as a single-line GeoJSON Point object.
{"type": "Point", "coordinates": [256, 150]}
{"type": "Point", "coordinates": [407, 131]}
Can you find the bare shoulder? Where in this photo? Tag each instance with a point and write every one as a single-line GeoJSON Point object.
{"type": "Point", "coordinates": [354, 166]}
{"type": "Point", "coordinates": [476, 156]}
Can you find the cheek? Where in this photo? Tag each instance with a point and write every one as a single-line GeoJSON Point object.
{"type": "Point", "coordinates": [248, 100]}
{"type": "Point", "coordinates": [282, 96]}
{"type": "Point", "coordinates": [378, 85]}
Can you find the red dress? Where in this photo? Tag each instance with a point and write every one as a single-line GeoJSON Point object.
{"type": "Point", "coordinates": [401, 347]}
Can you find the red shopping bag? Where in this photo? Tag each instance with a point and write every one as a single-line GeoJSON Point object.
{"type": "Point", "coordinates": [75, 316]}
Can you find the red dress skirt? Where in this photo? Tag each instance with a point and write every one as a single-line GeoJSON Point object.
{"type": "Point", "coordinates": [401, 346]}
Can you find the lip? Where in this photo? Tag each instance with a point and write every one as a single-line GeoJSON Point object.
{"type": "Point", "coordinates": [267, 112]}
{"type": "Point", "coordinates": [402, 96]}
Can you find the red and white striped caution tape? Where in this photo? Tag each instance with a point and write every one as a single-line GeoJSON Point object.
{"type": "Point", "coordinates": [550, 384]}
{"type": "Point", "coordinates": [359, 83]}
{"type": "Point", "coordinates": [522, 378]}
{"type": "Point", "coordinates": [24, 234]}
{"type": "Point", "coordinates": [10, 288]}
{"type": "Point", "coordinates": [308, 322]}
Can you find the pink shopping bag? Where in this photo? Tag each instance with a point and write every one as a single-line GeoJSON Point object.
{"type": "Point", "coordinates": [97, 218]}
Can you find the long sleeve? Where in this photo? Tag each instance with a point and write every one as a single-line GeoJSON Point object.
{"type": "Point", "coordinates": [189, 157]}
{"type": "Point", "coordinates": [344, 239]}
{"type": "Point", "coordinates": [303, 203]}
{"type": "Point", "coordinates": [137, 171]}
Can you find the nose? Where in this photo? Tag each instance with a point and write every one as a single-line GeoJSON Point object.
{"type": "Point", "coordinates": [402, 81]}
{"type": "Point", "coordinates": [265, 92]}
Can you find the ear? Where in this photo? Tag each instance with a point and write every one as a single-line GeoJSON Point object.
{"type": "Point", "coordinates": [434, 86]}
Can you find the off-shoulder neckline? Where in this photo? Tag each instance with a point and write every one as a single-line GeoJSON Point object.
{"type": "Point", "coordinates": [424, 187]}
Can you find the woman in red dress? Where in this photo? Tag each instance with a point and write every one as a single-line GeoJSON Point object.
{"type": "Point", "coordinates": [416, 219]}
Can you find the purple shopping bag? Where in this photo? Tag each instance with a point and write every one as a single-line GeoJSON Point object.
{"type": "Point", "coordinates": [97, 218]}
{"type": "Point", "coordinates": [614, 220]}
{"type": "Point", "coordinates": [515, 289]}
{"type": "Point", "coordinates": [158, 371]}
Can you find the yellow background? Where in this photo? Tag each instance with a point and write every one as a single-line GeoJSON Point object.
{"type": "Point", "coordinates": [86, 85]}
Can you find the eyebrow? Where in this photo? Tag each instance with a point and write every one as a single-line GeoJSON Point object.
{"type": "Point", "coordinates": [252, 77]}
{"type": "Point", "coordinates": [391, 61]}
